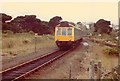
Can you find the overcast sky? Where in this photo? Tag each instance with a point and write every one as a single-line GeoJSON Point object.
{"type": "Point", "coordinates": [71, 11]}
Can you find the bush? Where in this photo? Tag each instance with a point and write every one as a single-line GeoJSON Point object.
{"type": "Point", "coordinates": [31, 32]}
{"type": "Point", "coordinates": [25, 41]}
{"type": "Point", "coordinates": [111, 51]}
{"type": "Point", "coordinates": [7, 32]}
{"type": "Point", "coordinates": [50, 37]}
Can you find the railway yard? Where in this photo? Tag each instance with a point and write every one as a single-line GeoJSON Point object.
{"type": "Point", "coordinates": [76, 60]}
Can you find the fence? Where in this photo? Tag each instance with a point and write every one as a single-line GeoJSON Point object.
{"type": "Point", "coordinates": [96, 71]}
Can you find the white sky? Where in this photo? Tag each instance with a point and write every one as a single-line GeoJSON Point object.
{"type": "Point", "coordinates": [71, 10]}
{"type": "Point", "coordinates": [59, 0]}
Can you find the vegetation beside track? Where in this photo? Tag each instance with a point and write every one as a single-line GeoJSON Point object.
{"type": "Point", "coordinates": [24, 43]}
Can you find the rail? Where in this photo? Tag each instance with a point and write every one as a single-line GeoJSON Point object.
{"type": "Point", "coordinates": [28, 67]}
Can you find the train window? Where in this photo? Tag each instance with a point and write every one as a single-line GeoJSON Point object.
{"type": "Point", "coordinates": [69, 31]}
{"type": "Point", "coordinates": [59, 31]}
{"type": "Point", "coordinates": [63, 31]}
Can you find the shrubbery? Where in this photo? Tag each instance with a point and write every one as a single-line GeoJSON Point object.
{"type": "Point", "coordinates": [28, 23]}
{"type": "Point", "coordinates": [31, 32]}
{"type": "Point", "coordinates": [111, 51]}
{"type": "Point", "coordinates": [25, 41]}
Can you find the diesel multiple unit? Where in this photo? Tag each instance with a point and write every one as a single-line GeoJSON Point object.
{"type": "Point", "coordinates": [67, 35]}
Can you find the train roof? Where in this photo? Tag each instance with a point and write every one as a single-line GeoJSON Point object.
{"type": "Point", "coordinates": [65, 24]}
{"type": "Point", "coordinates": [70, 26]}
{"type": "Point", "coordinates": [77, 28]}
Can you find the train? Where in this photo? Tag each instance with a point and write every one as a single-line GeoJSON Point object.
{"type": "Point", "coordinates": [67, 35]}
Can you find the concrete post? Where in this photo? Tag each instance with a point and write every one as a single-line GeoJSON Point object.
{"type": "Point", "coordinates": [99, 73]}
{"type": "Point", "coordinates": [91, 70]}
{"type": "Point", "coordinates": [35, 42]}
{"type": "Point", "coordinates": [70, 71]}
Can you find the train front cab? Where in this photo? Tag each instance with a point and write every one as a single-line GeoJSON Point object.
{"type": "Point", "coordinates": [64, 37]}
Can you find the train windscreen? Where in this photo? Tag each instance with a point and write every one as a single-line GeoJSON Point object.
{"type": "Point", "coordinates": [59, 31]}
{"type": "Point", "coordinates": [69, 31]}
{"type": "Point", "coordinates": [63, 31]}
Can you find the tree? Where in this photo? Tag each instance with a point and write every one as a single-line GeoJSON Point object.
{"type": "Point", "coordinates": [5, 17]}
{"type": "Point", "coordinates": [102, 26]}
{"type": "Point", "coordinates": [54, 21]}
{"type": "Point", "coordinates": [25, 24]}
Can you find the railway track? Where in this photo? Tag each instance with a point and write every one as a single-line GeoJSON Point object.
{"type": "Point", "coordinates": [24, 69]}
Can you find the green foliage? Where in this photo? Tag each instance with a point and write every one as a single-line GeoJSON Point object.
{"type": "Point", "coordinates": [5, 17]}
{"type": "Point", "coordinates": [102, 26]}
{"type": "Point", "coordinates": [9, 32]}
{"type": "Point", "coordinates": [25, 41]}
{"type": "Point", "coordinates": [50, 37]}
{"type": "Point", "coordinates": [28, 23]}
{"type": "Point", "coordinates": [54, 21]}
{"type": "Point", "coordinates": [31, 32]}
{"type": "Point", "coordinates": [111, 51]}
